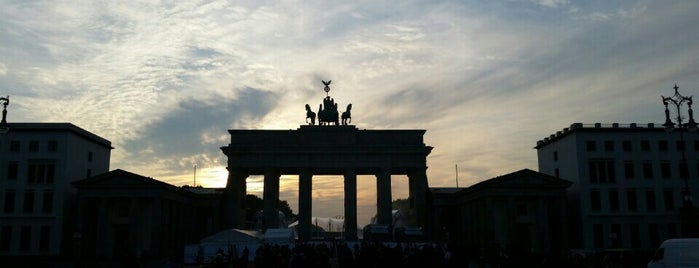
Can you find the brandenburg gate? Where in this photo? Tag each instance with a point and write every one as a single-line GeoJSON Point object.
{"type": "Point", "coordinates": [325, 149]}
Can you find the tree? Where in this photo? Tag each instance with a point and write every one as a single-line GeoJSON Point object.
{"type": "Point", "coordinates": [254, 204]}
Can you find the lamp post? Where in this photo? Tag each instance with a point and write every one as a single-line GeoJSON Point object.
{"type": "Point", "coordinates": [677, 100]}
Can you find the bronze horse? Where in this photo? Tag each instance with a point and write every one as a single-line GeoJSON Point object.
{"type": "Point", "coordinates": [346, 115]}
{"type": "Point", "coordinates": [310, 114]}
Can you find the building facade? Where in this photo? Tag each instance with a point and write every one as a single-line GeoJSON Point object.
{"type": "Point", "coordinates": [518, 213]}
{"type": "Point", "coordinates": [628, 181]}
{"type": "Point", "coordinates": [37, 165]}
{"type": "Point", "coordinates": [122, 216]}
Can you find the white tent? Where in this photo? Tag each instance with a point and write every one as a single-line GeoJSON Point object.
{"type": "Point", "coordinates": [239, 239]}
{"type": "Point", "coordinates": [280, 236]}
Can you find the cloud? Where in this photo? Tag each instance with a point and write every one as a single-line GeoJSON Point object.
{"type": "Point", "coordinates": [165, 80]}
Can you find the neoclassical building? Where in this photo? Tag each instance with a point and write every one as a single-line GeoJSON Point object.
{"type": "Point", "coordinates": [523, 211]}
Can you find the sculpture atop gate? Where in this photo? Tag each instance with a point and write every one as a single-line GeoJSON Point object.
{"type": "Point", "coordinates": [327, 111]}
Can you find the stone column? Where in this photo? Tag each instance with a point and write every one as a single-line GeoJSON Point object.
{"type": "Point", "coordinates": [270, 197]}
{"type": "Point", "coordinates": [103, 239]}
{"type": "Point", "coordinates": [383, 194]}
{"type": "Point", "coordinates": [233, 213]}
{"type": "Point", "coordinates": [350, 205]}
{"type": "Point", "coordinates": [418, 193]}
{"type": "Point", "coordinates": [305, 203]}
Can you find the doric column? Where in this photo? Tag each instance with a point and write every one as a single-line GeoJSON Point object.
{"type": "Point", "coordinates": [270, 197]}
{"type": "Point", "coordinates": [305, 203]}
{"type": "Point", "coordinates": [234, 198]}
{"type": "Point", "coordinates": [418, 194]}
{"type": "Point", "coordinates": [383, 194]}
{"type": "Point", "coordinates": [350, 205]}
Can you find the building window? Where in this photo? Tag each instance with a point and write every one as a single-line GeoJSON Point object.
{"type": "Point", "coordinates": [47, 202]}
{"type": "Point", "coordinates": [52, 146]}
{"type": "Point", "coordinates": [521, 210]}
{"type": "Point", "coordinates": [665, 172]}
{"type": "Point", "coordinates": [88, 173]}
{"type": "Point", "coordinates": [648, 170]}
{"type": "Point", "coordinates": [629, 170]}
{"type": "Point", "coordinates": [626, 146]}
{"type": "Point", "coordinates": [555, 156]}
{"type": "Point", "coordinates": [613, 200]}
{"type": "Point", "coordinates": [558, 173]}
{"type": "Point", "coordinates": [669, 201]}
{"type": "Point", "coordinates": [44, 237]}
{"type": "Point", "coordinates": [671, 230]}
{"type": "Point", "coordinates": [615, 235]}
{"type": "Point", "coordinates": [33, 146]}
{"type": "Point", "coordinates": [12, 170]}
{"type": "Point", "coordinates": [650, 200]}
{"type": "Point", "coordinates": [609, 146]}
{"type": "Point", "coordinates": [684, 170]}
{"type": "Point", "coordinates": [595, 200]}
{"type": "Point", "coordinates": [680, 146]}
{"type": "Point", "coordinates": [654, 234]}
{"type": "Point", "coordinates": [14, 146]}
{"type": "Point", "coordinates": [5, 238]}
{"type": "Point", "coordinates": [635, 235]}
{"type": "Point", "coordinates": [696, 145]}
{"type": "Point", "coordinates": [591, 146]}
{"type": "Point", "coordinates": [631, 200]}
{"type": "Point", "coordinates": [28, 201]}
{"type": "Point", "coordinates": [41, 171]}
{"type": "Point", "coordinates": [598, 234]}
{"type": "Point", "coordinates": [662, 146]}
{"type": "Point", "coordinates": [25, 238]}
{"type": "Point", "coordinates": [645, 145]}
{"type": "Point", "coordinates": [601, 170]}
{"type": "Point", "coordinates": [9, 201]}
{"type": "Point", "coordinates": [89, 156]}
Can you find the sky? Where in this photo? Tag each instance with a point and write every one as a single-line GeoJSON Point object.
{"type": "Point", "coordinates": [165, 80]}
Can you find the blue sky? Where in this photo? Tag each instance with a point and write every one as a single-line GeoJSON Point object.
{"type": "Point", "coordinates": [164, 80]}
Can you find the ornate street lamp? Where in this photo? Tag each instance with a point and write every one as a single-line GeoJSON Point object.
{"type": "Point", "coordinates": [3, 124]}
{"type": "Point", "coordinates": [677, 100]}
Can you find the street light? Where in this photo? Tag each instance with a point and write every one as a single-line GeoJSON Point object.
{"type": "Point", "coordinates": [677, 100]}
{"type": "Point", "coordinates": [3, 124]}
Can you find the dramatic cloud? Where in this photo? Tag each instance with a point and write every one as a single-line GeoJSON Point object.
{"type": "Point", "coordinates": [164, 80]}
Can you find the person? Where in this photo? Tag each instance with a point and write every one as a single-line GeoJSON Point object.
{"type": "Point", "coordinates": [244, 258]}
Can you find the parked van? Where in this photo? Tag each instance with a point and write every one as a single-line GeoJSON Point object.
{"type": "Point", "coordinates": [676, 253]}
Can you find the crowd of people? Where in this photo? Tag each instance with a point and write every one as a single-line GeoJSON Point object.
{"type": "Point", "coordinates": [342, 255]}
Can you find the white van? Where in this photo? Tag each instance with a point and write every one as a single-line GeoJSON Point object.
{"type": "Point", "coordinates": [676, 253]}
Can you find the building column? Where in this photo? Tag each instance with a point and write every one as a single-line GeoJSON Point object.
{"type": "Point", "coordinates": [102, 249]}
{"type": "Point", "coordinates": [351, 205]}
{"type": "Point", "coordinates": [233, 214]}
{"type": "Point", "coordinates": [270, 197]}
{"type": "Point", "coordinates": [383, 194]}
{"type": "Point", "coordinates": [305, 203]}
{"type": "Point", "coordinates": [418, 195]}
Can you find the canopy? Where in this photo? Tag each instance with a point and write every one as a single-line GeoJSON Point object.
{"type": "Point", "coordinates": [233, 236]}
{"type": "Point", "coordinates": [279, 236]}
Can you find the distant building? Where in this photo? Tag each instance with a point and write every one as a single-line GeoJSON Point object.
{"type": "Point", "coordinates": [38, 161]}
{"type": "Point", "coordinates": [521, 212]}
{"type": "Point", "coordinates": [627, 181]}
{"type": "Point", "coordinates": [123, 215]}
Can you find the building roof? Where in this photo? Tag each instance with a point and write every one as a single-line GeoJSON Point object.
{"type": "Point", "coordinates": [521, 178]}
{"type": "Point", "coordinates": [598, 127]}
{"type": "Point", "coordinates": [58, 127]}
